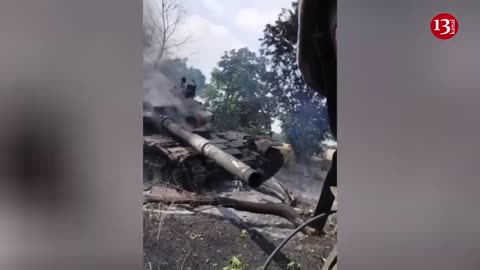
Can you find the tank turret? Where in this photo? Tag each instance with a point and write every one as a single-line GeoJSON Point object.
{"type": "Point", "coordinates": [180, 148]}
{"type": "Point", "coordinates": [187, 111]}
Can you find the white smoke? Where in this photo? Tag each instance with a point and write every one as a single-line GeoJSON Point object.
{"type": "Point", "coordinates": [159, 90]}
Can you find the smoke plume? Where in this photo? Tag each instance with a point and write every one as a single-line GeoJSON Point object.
{"type": "Point", "coordinates": [158, 89]}
{"type": "Point", "coordinates": [161, 91]}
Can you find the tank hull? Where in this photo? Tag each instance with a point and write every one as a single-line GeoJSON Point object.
{"type": "Point", "coordinates": [168, 158]}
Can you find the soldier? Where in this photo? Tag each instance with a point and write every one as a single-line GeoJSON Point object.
{"type": "Point", "coordinates": [183, 81]}
{"type": "Point", "coordinates": [190, 90]}
{"type": "Point", "coordinates": [317, 61]}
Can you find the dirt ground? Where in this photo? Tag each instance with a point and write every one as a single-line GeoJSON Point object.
{"type": "Point", "coordinates": [178, 238]}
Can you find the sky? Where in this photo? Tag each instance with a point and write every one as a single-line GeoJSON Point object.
{"type": "Point", "coordinates": [216, 26]}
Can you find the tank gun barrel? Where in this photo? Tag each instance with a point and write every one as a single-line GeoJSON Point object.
{"type": "Point", "coordinates": [231, 164]}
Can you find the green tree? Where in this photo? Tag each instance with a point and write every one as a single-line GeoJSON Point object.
{"type": "Point", "coordinates": [279, 137]}
{"type": "Point", "coordinates": [302, 111]}
{"type": "Point", "coordinates": [239, 92]}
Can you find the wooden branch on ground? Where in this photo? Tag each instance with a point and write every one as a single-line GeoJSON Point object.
{"type": "Point", "coordinates": [178, 196]}
{"type": "Point", "coordinates": [276, 209]}
{"type": "Point", "coordinates": [273, 187]}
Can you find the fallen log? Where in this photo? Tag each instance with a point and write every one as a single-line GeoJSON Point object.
{"type": "Point", "coordinates": [273, 187]}
{"type": "Point", "coordinates": [276, 209]}
{"type": "Point", "coordinates": [178, 196]}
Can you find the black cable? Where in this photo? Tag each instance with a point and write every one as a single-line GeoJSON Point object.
{"type": "Point", "coordinates": [269, 260]}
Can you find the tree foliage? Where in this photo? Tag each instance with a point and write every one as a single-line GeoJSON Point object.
{"type": "Point", "coordinates": [302, 111]}
{"type": "Point", "coordinates": [239, 92]}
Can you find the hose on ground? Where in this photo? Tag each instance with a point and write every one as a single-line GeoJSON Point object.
{"type": "Point", "coordinates": [285, 241]}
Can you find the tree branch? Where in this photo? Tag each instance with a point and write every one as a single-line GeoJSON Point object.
{"type": "Point", "coordinates": [169, 195]}
{"type": "Point", "coordinates": [164, 21]}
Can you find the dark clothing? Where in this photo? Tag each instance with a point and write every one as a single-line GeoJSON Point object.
{"type": "Point", "coordinates": [326, 199]}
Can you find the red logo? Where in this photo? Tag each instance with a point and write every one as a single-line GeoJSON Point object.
{"type": "Point", "coordinates": [444, 26]}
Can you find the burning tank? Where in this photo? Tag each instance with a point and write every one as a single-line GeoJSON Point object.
{"type": "Point", "coordinates": [181, 149]}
